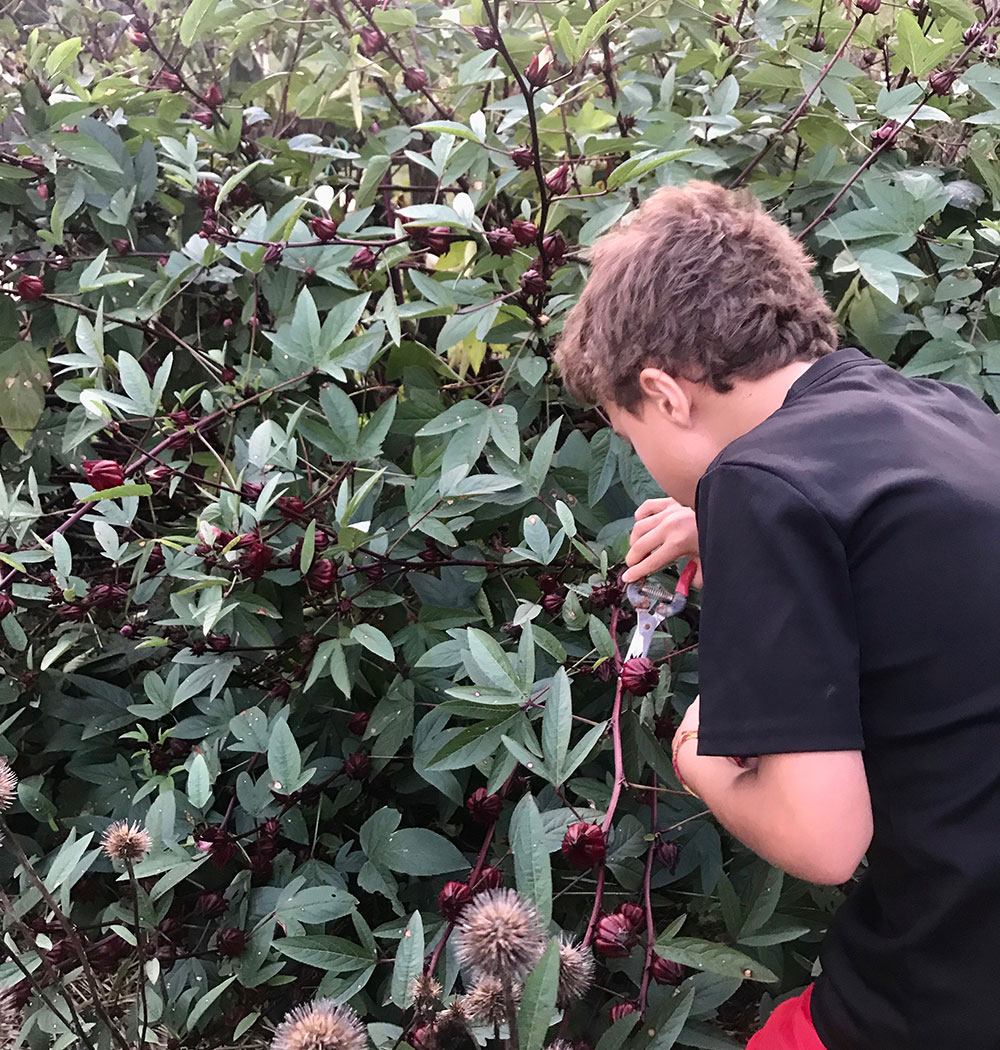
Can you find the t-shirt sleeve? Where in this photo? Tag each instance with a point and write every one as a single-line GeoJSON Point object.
{"type": "Point", "coordinates": [778, 648]}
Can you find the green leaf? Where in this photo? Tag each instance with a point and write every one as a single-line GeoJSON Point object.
{"type": "Point", "coordinates": [371, 179]}
{"type": "Point", "coordinates": [767, 891]}
{"type": "Point", "coordinates": [372, 638]}
{"type": "Point", "coordinates": [62, 56]}
{"type": "Point", "coordinates": [284, 762]}
{"type": "Point", "coordinates": [334, 954]}
{"type": "Point", "coordinates": [532, 867]}
{"type": "Point", "coordinates": [596, 25]}
{"type": "Point", "coordinates": [409, 961]}
{"type": "Point", "coordinates": [448, 127]}
{"type": "Point", "coordinates": [199, 1008]}
{"type": "Point", "coordinates": [557, 722]}
{"type": "Point", "coordinates": [70, 854]}
{"type": "Point", "coordinates": [714, 958]}
{"type": "Point", "coordinates": [24, 375]}
{"type": "Point", "coordinates": [118, 492]}
{"type": "Point", "coordinates": [194, 18]}
{"type": "Point", "coordinates": [538, 1000]}
{"type": "Point", "coordinates": [199, 789]}
{"type": "Point", "coordinates": [642, 164]}
{"type": "Point", "coordinates": [76, 146]}
{"type": "Point", "coordinates": [308, 547]}
{"type": "Point", "coordinates": [418, 851]}
{"type": "Point", "coordinates": [668, 1027]}
{"type": "Point", "coordinates": [233, 181]}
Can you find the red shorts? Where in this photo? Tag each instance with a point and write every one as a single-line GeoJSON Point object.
{"type": "Point", "coordinates": [789, 1027]}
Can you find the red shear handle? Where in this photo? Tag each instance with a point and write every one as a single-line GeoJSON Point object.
{"type": "Point", "coordinates": [684, 583]}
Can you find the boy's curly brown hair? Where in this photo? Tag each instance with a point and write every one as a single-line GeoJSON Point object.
{"type": "Point", "coordinates": [700, 283]}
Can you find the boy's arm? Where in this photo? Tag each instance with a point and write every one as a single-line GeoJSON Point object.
{"type": "Point", "coordinates": [807, 813]}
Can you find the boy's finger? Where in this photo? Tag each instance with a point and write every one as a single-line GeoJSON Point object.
{"type": "Point", "coordinates": [652, 506]}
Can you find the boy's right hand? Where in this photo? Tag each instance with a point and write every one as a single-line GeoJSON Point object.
{"type": "Point", "coordinates": [664, 531]}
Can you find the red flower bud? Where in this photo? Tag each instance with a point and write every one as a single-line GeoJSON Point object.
{"type": "Point", "coordinates": [206, 191]}
{"type": "Point", "coordinates": [489, 879]}
{"type": "Point", "coordinates": [7, 605]}
{"type": "Point", "coordinates": [103, 473]}
{"type": "Point", "coordinates": [323, 229]}
{"type": "Point", "coordinates": [139, 38]}
{"type": "Point", "coordinates": [552, 603]}
{"type": "Point", "coordinates": [818, 42]}
{"type": "Point", "coordinates": [615, 937]}
{"type": "Point", "coordinates": [106, 596]}
{"type": "Point", "coordinates": [291, 507]}
{"type": "Point", "coordinates": [486, 38]}
{"type": "Point", "coordinates": [155, 562]}
{"type": "Point", "coordinates": [620, 1010]}
{"type": "Point", "coordinates": [537, 71]}
{"type": "Point", "coordinates": [453, 899]}
{"type": "Point", "coordinates": [219, 643]}
{"type": "Point", "coordinates": [227, 375]}
{"type": "Point", "coordinates": [555, 248]}
{"type": "Point", "coordinates": [972, 35]}
{"type": "Point", "coordinates": [322, 575]}
{"type": "Point", "coordinates": [72, 612]}
{"type": "Point", "coordinates": [256, 560]}
{"type": "Point", "coordinates": [213, 96]}
{"type": "Point", "coordinates": [547, 583]}
{"type": "Point", "coordinates": [122, 245]}
{"type": "Point", "coordinates": [523, 157]}
{"type": "Point", "coordinates": [273, 254]}
{"type": "Point", "coordinates": [210, 905]}
{"type": "Point", "coordinates": [372, 41]}
{"type": "Point", "coordinates": [584, 845]}
{"type": "Point", "coordinates": [558, 180]}
{"type": "Point", "coordinates": [524, 232]}
{"type": "Point", "coordinates": [940, 80]}
{"type": "Point", "coordinates": [484, 808]}
{"type": "Point", "coordinates": [668, 854]}
{"type": "Point", "coordinates": [414, 78]}
{"type": "Point", "coordinates": [501, 241]}
{"type": "Point", "coordinates": [363, 259]}
{"type": "Point", "coordinates": [35, 164]}
{"type": "Point", "coordinates": [663, 971]}
{"type": "Point", "coordinates": [358, 766]}
{"type": "Point", "coordinates": [869, 7]}
{"type": "Point", "coordinates": [30, 287]}
{"type": "Point", "coordinates": [533, 283]}
{"type": "Point", "coordinates": [887, 133]}
{"type": "Point", "coordinates": [169, 81]}
{"type": "Point", "coordinates": [359, 722]}
{"type": "Point", "coordinates": [230, 942]}
{"type": "Point", "coordinates": [279, 691]}
{"type": "Point", "coordinates": [632, 913]}
{"type": "Point", "coordinates": [203, 117]}
{"type": "Point", "coordinates": [640, 675]}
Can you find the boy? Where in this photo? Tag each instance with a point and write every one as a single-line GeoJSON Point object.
{"type": "Point", "coordinates": [847, 520]}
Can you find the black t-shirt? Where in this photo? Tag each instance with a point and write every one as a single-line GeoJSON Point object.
{"type": "Point", "coordinates": [851, 553]}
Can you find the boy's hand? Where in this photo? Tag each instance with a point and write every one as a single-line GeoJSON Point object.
{"type": "Point", "coordinates": [664, 531]}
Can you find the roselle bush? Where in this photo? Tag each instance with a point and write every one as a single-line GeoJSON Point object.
{"type": "Point", "coordinates": [310, 586]}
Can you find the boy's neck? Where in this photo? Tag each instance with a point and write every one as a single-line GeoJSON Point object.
{"type": "Point", "coordinates": [731, 415]}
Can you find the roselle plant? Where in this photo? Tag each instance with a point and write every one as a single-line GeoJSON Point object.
{"type": "Point", "coordinates": [310, 596]}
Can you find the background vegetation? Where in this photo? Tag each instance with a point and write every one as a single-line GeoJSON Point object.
{"type": "Point", "coordinates": [309, 566]}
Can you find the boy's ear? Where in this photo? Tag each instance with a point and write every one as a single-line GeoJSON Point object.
{"type": "Point", "coordinates": [666, 395]}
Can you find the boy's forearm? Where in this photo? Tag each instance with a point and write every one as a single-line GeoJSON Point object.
{"type": "Point", "coordinates": [749, 808]}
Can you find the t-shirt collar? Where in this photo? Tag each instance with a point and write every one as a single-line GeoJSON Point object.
{"type": "Point", "coordinates": [827, 365]}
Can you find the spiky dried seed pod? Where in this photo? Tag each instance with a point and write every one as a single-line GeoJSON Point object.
{"type": "Point", "coordinates": [500, 934]}
{"type": "Point", "coordinates": [321, 1025]}
{"type": "Point", "coordinates": [485, 1001]}
{"type": "Point", "coordinates": [426, 993]}
{"type": "Point", "coordinates": [8, 785]}
{"type": "Point", "coordinates": [126, 842]}
{"type": "Point", "coordinates": [576, 972]}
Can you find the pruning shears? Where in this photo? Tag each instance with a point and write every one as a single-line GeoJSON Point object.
{"type": "Point", "coordinates": [653, 604]}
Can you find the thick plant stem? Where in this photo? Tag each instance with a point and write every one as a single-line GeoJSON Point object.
{"type": "Point", "coordinates": [140, 949]}
{"type": "Point", "coordinates": [647, 900]}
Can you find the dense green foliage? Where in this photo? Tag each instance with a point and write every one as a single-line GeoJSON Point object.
{"type": "Point", "coordinates": [293, 272]}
